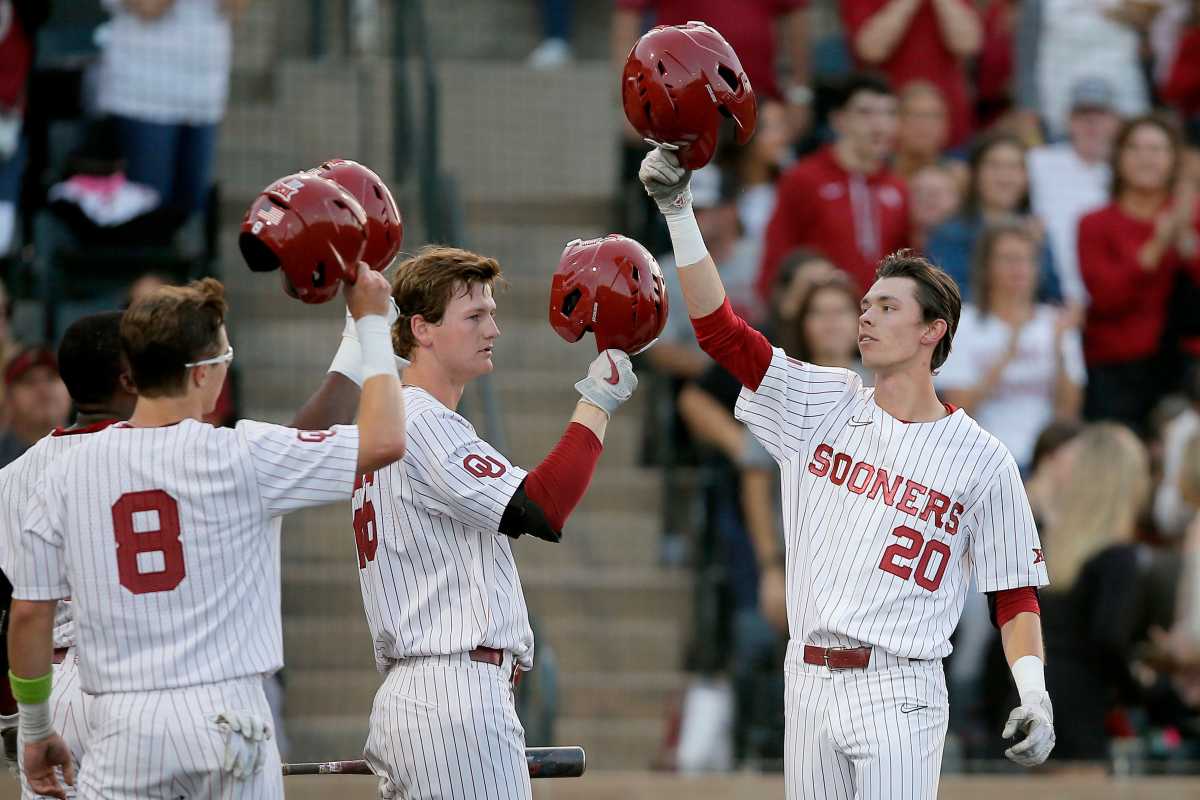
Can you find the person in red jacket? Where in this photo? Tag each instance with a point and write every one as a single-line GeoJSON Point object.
{"type": "Point", "coordinates": [1130, 254]}
{"type": "Point", "coordinates": [919, 40]}
{"type": "Point", "coordinates": [843, 201]}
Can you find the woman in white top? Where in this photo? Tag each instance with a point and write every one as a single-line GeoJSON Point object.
{"type": "Point", "coordinates": [164, 77]}
{"type": "Point", "coordinates": [1016, 365]}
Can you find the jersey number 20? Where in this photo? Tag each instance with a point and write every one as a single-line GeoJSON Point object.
{"type": "Point", "coordinates": [163, 539]}
{"type": "Point", "coordinates": [895, 553]}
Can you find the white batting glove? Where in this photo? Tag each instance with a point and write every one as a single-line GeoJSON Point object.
{"type": "Point", "coordinates": [1034, 718]}
{"type": "Point", "coordinates": [665, 179]}
{"type": "Point", "coordinates": [609, 382]}
{"type": "Point", "coordinates": [245, 734]}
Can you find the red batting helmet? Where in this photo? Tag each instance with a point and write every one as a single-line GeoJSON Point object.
{"type": "Point", "coordinates": [612, 287]}
{"type": "Point", "coordinates": [385, 228]}
{"type": "Point", "coordinates": [679, 80]}
{"type": "Point", "coordinates": [310, 227]}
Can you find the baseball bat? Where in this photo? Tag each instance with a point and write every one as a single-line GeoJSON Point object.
{"type": "Point", "coordinates": [543, 762]}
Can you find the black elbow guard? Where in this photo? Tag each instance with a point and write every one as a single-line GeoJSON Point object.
{"type": "Point", "coordinates": [523, 516]}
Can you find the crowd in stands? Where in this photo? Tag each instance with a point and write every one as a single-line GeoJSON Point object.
{"type": "Point", "coordinates": [1046, 154]}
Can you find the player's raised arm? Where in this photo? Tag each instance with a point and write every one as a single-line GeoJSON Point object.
{"type": "Point", "coordinates": [726, 337]}
{"type": "Point", "coordinates": [381, 406]}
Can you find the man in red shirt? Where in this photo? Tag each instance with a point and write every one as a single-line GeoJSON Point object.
{"type": "Point", "coordinates": [912, 40]}
{"type": "Point", "coordinates": [843, 201]}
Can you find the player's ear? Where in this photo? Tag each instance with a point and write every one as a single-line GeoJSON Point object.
{"type": "Point", "coordinates": [934, 331]}
{"type": "Point", "coordinates": [421, 330]}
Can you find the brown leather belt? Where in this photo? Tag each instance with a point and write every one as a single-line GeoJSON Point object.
{"type": "Point", "coordinates": [60, 654]}
{"type": "Point", "coordinates": [837, 657]}
{"type": "Point", "coordinates": [487, 655]}
{"type": "Point", "coordinates": [495, 657]}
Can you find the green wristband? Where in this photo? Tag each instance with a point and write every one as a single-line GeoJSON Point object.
{"type": "Point", "coordinates": [30, 690]}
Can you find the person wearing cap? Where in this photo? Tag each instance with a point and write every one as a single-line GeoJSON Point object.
{"type": "Point", "coordinates": [37, 401]}
{"type": "Point", "coordinates": [1071, 178]}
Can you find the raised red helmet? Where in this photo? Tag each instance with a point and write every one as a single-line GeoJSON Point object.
{"type": "Point", "coordinates": [612, 287]}
{"type": "Point", "coordinates": [385, 227]}
{"type": "Point", "coordinates": [678, 83]}
{"type": "Point", "coordinates": [309, 227]}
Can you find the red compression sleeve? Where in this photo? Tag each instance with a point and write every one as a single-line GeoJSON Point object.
{"type": "Point", "coordinates": [733, 344]}
{"type": "Point", "coordinates": [1010, 602]}
{"type": "Point", "coordinates": [558, 483]}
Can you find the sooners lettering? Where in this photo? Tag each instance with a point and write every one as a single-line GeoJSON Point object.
{"type": "Point", "coordinates": [877, 484]}
{"type": "Point", "coordinates": [484, 466]}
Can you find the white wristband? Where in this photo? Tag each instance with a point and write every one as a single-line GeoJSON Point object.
{"type": "Point", "coordinates": [1029, 673]}
{"type": "Point", "coordinates": [375, 339]}
{"type": "Point", "coordinates": [34, 724]}
{"type": "Point", "coordinates": [348, 360]}
{"type": "Point", "coordinates": [685, 237]}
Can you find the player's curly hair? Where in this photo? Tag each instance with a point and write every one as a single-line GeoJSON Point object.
{"type": "Point", "coordinates": [169, 327]}
{"type": "Point", "coordinates": [937, 293]}
{"type": "Point", "coordinates": [426, 283]}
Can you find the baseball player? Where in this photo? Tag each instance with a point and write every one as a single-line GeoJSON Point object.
{"type": "Point", "coordinates": [94, 371]}
{"type": "Point", "coordinates": [164, 532]}
{"type": "Point", "coordinates": [440, 587]}
{"type": "Point", "coordinates": [891, 502]}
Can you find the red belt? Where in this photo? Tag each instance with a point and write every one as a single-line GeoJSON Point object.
{"type": "Point", "coordinates": [60, 654]}
{"type": "Point", "coordinates": [837, 657]}
{"type": "Point", "coordinates": [495, 657]}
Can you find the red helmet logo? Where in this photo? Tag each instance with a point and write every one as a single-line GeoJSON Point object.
{"type": "Point", "coordinates": [612, 287]}
{"type": "Point", "coordinates": [385, 227]}
{"type": "Point", "coordinates": [679, 82]}
{"type": "Point", "coordinates": [309, 227]}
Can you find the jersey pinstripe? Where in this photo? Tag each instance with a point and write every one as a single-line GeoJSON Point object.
{"type": "Point", "coordinates": [167, 541]}
{"type": "Point", "coordinates": [436, 575]}
{"type": "Point", "coordinates": [885, 521]}
{"type": "Point", "coordinates": [18, 481]}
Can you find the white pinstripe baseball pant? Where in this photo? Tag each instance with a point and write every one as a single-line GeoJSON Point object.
{"type": "Point", "coordinates": [446, 727]}
{"type": "Point", "coordinates": [864, 734]}
{"type": "Point", "coordinates": [164, 745]}
{"type": "Point", "coordinates": [69, 712]}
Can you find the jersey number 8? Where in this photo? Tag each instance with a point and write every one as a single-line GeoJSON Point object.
{"type": "Point", "coordinates": [132, 543]}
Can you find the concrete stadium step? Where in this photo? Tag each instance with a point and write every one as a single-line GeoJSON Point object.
{"type": "Point", "coordinates": [334, 642]}
{"type": "Point", "coordinates": [584, 594]}
{"type": "Point", "coordinates": [327, 737]}
{"type": "Point", "coordinates": [509, 158]}
{"type": "Point", "coordinates": [613, 743]}
{"type": "Point", "coordinates": [649, 646]}
{"type": "Point", "coordinates": [530, 437]}
{"type": "Point", "coordinates": [609, 694]}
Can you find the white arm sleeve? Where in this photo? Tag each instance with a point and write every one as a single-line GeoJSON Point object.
{"type": "Point", "coordinates": [457, 474]}
{"type": "Point", "coordinates": [790, 401]}
{"type": "Point", "coordinates": [298, 469]}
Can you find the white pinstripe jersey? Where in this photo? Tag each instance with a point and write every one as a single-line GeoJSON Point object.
{"type": "Point", "coordinates": [18, 482]}
{"type": "Point", "coordinates": [437, 577]}
{"type": "Point", "coordinates": [886, 521]}
{"type": "Point", "coordinates": [167, 541]}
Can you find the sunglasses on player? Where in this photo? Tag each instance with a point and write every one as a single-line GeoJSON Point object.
{"type": "Point", "coordinates": [224, 358]}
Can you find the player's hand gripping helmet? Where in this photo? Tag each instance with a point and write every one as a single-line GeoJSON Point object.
{"type": "Point", "coordinates": [612, 287]}
{"type": "Point", "coordinates": [310, 227]}
{"type": "Point", "coordinates": [385, 228]}
{"type": "Point", "coordinates": [679, 81]}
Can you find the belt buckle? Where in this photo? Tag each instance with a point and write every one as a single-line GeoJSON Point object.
{"type": "Point", "coordinates": [825, 656]}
